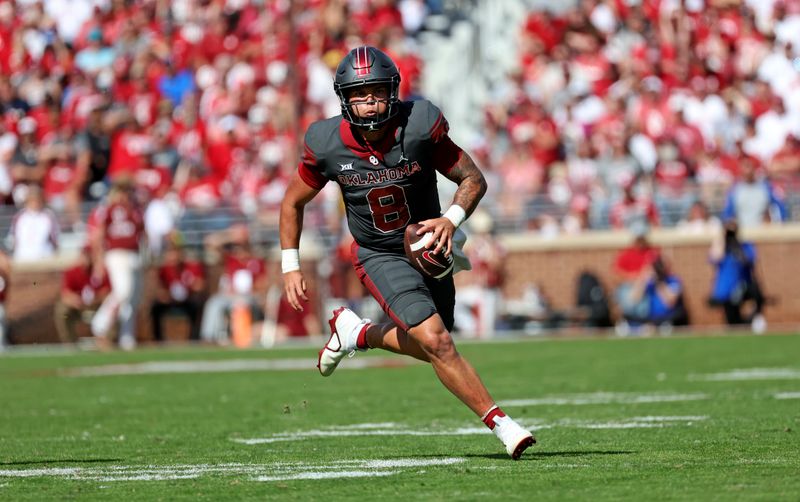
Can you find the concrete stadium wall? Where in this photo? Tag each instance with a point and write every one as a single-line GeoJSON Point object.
{"type": "Point", "coordinates": [554, 265]}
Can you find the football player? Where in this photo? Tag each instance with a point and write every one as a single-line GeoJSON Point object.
{"type": "Point", "coordinates": [117, 240]}
{"type": "Point", "coordinates": [384, 154]}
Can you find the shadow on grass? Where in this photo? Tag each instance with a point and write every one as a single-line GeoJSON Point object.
{"type": "Point", "coordinates": [578, 453]}
{"type": "Point", "coordinates": [534, 455]}
{"type": "Point", "coordinates": [62, 461]}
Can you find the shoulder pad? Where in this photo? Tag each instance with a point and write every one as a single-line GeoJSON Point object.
{"type": "Point", "coordinates": [427, 120]}
{"type": "Point", "coordinates": [321, 136]}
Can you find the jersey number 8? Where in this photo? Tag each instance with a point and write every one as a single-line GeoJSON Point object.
{"type": "Point", "coordinates": [389, 208]}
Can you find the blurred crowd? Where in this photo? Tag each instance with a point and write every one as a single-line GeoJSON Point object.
{"type": "Point", "coordinates": [200, 103]}
{"type": "Point", "coordinates": [624, 111]}
{"type": "Point", "coordinates": [617, 111]}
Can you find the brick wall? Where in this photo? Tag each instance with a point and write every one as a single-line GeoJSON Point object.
{"type": "Point", "coordinates": [555, 266]}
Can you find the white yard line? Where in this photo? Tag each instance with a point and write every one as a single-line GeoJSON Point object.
{"type": "Point", "coordinates": [325, 475]}
{"type": "Point", "coordinates": [605, 398]}
{"type": "Point", "coordinates": [736, 375]}
{"type": "Point", "coordinates": [278, 471]}
{"type": "Point", "coordinates": [355, 430]}
{"type": "Point", "coordinates": [230, 365]}
{"type": "Point", "coordinates": [787, 395]}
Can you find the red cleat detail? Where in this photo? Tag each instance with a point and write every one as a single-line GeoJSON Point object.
{"type": "Point", "coordinates": [522, 446]}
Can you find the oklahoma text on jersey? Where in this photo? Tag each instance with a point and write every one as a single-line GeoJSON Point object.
{"type": "Point", "coordinates": [371, 178]}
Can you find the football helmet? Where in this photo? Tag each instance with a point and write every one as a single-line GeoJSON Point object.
{"type": "Point", "coordinates": [367, 65]}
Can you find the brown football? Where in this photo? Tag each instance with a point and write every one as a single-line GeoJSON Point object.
{"type": "Point", "coordinates": [423, 259]}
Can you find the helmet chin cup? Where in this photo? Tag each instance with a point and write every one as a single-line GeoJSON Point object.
{"type": "Point", "coordinates": [370, 123]}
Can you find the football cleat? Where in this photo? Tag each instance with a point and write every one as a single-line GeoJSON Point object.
{"type": "Point", "coordinates": [515, 438]}
{"type": "Point", "coordinates": [345, 327]}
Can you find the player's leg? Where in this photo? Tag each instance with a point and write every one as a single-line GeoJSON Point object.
{"type": "Point", "coordinates": [460, 378]}
{"type": "Point", "coordinates": [122, 267]}
{"type": "Point", "coordinates": [422, 314]}
{"type": "Point", "coordinates": [388, 336]}
{"type": "Point", "coordinates": [453, 370]}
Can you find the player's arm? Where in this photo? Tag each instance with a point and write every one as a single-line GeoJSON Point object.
{"type": "Point", "coordinates": [470, 181]}
{"type": "Point", "coordinates": [471, 188]}
{"type": "Point", "coordinates": [298, 194]}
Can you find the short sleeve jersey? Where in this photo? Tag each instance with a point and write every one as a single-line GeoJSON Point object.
{"type": "Point", "coordinates": [124, 226]}
{"type": "Point", "coordinates": [385, 185]}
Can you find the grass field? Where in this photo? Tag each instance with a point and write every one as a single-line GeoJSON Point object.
{"type": "Point", "coordinates": [711, 418]}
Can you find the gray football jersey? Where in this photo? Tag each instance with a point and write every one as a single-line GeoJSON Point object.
{"type": "Point", "coordinates": [388, 185]}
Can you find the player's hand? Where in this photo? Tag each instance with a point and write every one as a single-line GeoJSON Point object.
{"type": "Point", "coordinates": [443, 230]}
{"type": "Point", "coordinates": [294, 286]}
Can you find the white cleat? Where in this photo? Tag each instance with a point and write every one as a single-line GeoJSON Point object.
{"type": "Point", "coordinates": [515, 438]}
{"type": "Point", "coordinates": [345, 327]}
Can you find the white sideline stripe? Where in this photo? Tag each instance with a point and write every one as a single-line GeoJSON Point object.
{"type": "Point", "coordinates": [787, 395]}
{"type": "Point", "coordinates": [749, 374]}
{"type": "Point", "coordinates": [255, 472]}
{"type": "Point", "coordinates": [605, 398]}
{"type": "Point", "coordinates": [232, 365]}
{"type": "Point", "coordinates": [353, 430]}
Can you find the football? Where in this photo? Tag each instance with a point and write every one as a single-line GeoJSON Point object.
{"type": "Point", "coordinates": [423, 259]}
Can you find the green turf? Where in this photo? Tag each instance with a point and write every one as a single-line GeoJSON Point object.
{"type": "Point", "coordinates": [746, 449]}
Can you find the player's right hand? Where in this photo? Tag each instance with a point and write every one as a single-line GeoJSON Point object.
{"type": "Point", "coordinates": [294, 286]}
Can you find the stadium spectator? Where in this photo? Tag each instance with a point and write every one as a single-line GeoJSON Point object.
{"type": "Point", "coordinates": [96, 56]}
{"type": "Point", "coordinates": [591, 301]}
{"type": "Point", "coordinates": [655, 298]}
{"type": "Point", "coordinates": [84, 287]}
{"type": "Point", "coordinates": [672, 175]}
{"type": "Point", "coordinates": [784, 168]}
{"type": "Point", "coordinates": [34, 230]}
{"type": "Point", "coordinates": [752, 201]}
{"type": "Point", "coordinates": [8, 145]}
{"type": "Point", "coordinates": [62, 191]}
{"type": "Point", "coordinates": [93, 151]}
{"type": "Point", "coordinates": [161, 208]}
{"type": "Point", "coordinates": [243, 280]}
{"type": "Point", "coordinates": [479, 299]}
{"type": "Point", "coordinates": [634, 209]}
{"type": "Point", "coordinates": [698, 221]}
{"type": "Point", "coordinates": [132, 143]}
{"type": "Point", "coordinates": [27, 166]}
{"type": "Point", "coordinates": [263, 185]}
{"type": "Point", "coordinates": [376, 128]}
{"type": "Point", "coordinates": [736, 286]}
{"type": "Point", "coordinates": [5, 282]}
{"type": "Point", "coordinates": [294, 324]}
{"type": "Point", "coordinates": [117, 240]}
{"type": "Point", "coordinates": [181, 288]}
{"type": "Point", "coordinates": [630, 264]}
{"type": "Point", "coordinates": [577, 219]}
{"type": "Point", "coordinates": [202, 201]}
